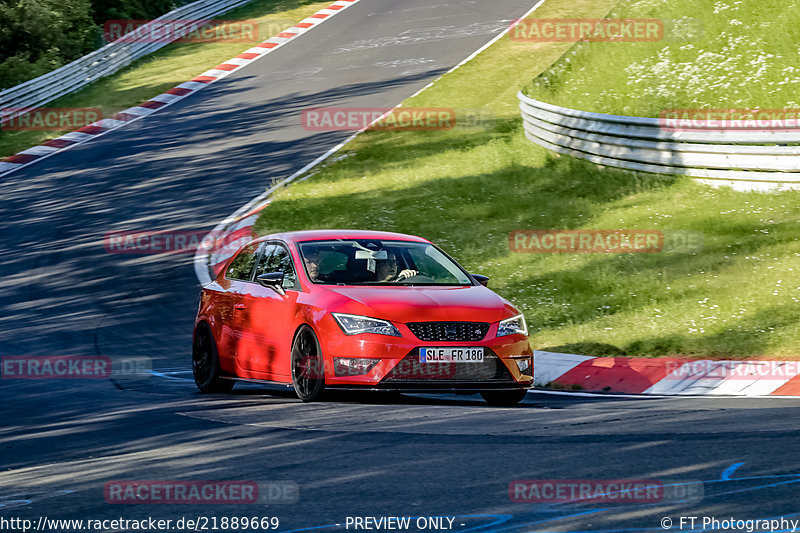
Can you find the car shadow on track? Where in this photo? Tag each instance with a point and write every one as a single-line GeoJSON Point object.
{"type": "Point", "coordinates": [374, 397]}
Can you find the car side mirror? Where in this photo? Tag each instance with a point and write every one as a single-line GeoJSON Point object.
{"type": "Point", "coordinates": [272, 280]}
{"type": "Point", "coordinates": [483, 280]}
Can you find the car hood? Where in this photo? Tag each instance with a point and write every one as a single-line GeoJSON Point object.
{"type": "Point", "coordinates": [423, 304]}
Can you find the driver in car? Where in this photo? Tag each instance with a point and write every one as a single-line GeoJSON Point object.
{"type": "Point", "coordinates": [312, 260]}
{"type": "Point", "coordinates": [386, 269]}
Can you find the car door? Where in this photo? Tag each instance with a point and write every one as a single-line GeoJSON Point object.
{"type": "Point", "coordinates": [268, 316]}
{"type": "Point", "coordinates": [237, 277]}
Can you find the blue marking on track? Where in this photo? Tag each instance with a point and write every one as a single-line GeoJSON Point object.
{"type": "Point", "coordinates": [748, 489]}
{"type": "Point", "coordinates": [728, 472]}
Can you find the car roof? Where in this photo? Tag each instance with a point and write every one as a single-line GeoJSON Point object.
{"type": "Point", "coordinates": [333, 234]}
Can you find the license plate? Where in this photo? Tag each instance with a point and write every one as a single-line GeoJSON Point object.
{"type": "Point", "coordinates": [451, 355]}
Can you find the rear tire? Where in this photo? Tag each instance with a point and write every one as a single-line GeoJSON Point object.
{"type": "Point", "coordinates": [205, 363]}
{"type": "Point", "coordinates": [308, 372]}
{"type": "Point", "coordinates": [504, 398]}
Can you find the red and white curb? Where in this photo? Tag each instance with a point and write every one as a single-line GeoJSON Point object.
{"type": "Point", "coordinates": [666, 376]}
{"type": "Point", "coordinates": [130, 115]}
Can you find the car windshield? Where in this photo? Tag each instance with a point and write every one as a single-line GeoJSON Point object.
{"type": "Point", "coordinates": [379, 262]}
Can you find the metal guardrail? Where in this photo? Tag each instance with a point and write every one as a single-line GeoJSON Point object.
{"type": "Point", "coordinates": [743, 158]}
{"type": "Point", "coordinates": [100, 63]}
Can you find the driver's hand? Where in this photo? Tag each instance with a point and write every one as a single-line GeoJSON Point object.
{"type": "Point", "coordinates": [407, 273]}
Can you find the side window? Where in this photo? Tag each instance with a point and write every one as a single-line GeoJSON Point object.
{"type": "Point", "coordinates": [242, 266]}
{"type": "Point", "coordinates": [281, 261]}
{"type": "Point", "coordinates": [263, 263]}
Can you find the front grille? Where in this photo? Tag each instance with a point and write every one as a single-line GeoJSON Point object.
{"type": "Point", "coordinates": [411, 370]}
{"type": "Point", "coordinates": [449, 331]}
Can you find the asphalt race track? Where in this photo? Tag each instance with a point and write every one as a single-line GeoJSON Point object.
{"type": "Point", "coordinates": [360, 455]}
{"type": "Point", "coordinates": [366, 455]}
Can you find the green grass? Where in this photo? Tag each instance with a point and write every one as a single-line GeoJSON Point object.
{"type": "Point", "coordinates": [721, 54]}
{"type": "Point", "coordinates": [466, 189]}
{"type": "Point", "coordinates": [168, 67]}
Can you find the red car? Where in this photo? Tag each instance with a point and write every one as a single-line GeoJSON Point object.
{"type": "Point", "coordinates": [358, 309]}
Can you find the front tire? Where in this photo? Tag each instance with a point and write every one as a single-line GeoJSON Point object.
{"type": "Point", "coordinates": [308, 374]}
{"type": "Point", "coordinates": [504, 398]}
{"type": "Point", "coordinates": [205, 363]}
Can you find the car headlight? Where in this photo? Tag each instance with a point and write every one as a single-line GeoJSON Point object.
{"type": "Point", "coordinates": [510, 326]}
{"type": "Point", "coordinates": [355, 324]}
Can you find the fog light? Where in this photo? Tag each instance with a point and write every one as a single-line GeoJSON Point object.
{"type": "Point", "coordinates": [523, 364]}
{"type": "Point", "coordinates": [353, 366]}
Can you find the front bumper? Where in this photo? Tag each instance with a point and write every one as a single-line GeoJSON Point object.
{"type": "Point", "coordinates": [399, 367]}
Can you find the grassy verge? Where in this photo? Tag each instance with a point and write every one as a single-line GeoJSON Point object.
{"type": "Point", "coordinates": [715, 54]}
{"type": "Point", "coordinates": [466, 189]}
{"type": "Point", "coordinates": [170, 66]}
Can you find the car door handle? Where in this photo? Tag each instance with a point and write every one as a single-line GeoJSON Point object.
{"type": "Point", "coordinates": [238, 306]}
